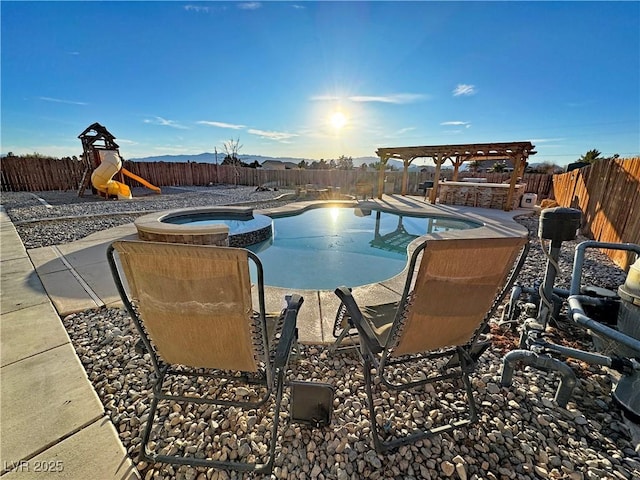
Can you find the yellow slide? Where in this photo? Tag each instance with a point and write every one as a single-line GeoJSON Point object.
{"type": "Point", "coordinates": [101, 178]}
{"type": "Point", "coordinates": [140, 179]}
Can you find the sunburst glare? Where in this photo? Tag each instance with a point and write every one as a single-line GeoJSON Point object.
{"type": "Point", "coordinates": [334, 213]}
{"type": "Point", "coordinates": [338, 120]}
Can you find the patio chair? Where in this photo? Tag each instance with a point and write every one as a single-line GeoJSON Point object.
{"type": "Point", "coordinates": [435, 332]}
{"type": "Point", "coordinates": [192, 306]}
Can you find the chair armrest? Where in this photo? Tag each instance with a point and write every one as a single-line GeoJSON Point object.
{"type": "Point", "coordinates": [289, 331]}
{"type": "Point", "coordinates": [364, 329]}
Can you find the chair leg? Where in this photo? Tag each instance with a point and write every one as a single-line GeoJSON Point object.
{"type": "Point", "coordinates": [145, 455]}
{"type": "Point", "coordinates": [343, 334]}
{"type": "Point", "coordinates": [377, 442]}
{"type": "Point", "coordinates": [381, 446]}
{"type": "Point", "coordinates": [266, 468]}
{"type": "Point", "coordinates": [295, 349]}
{"type": "Point", "coordinates": [473, 411]}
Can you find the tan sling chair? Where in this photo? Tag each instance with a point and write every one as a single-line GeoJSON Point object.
{"type": "Point", "coordinates": [192, 307]}
{"type": "Point", "coordinates": [453, 287]}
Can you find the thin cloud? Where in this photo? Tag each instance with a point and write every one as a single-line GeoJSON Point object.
{"type": "Point", "coordinates": [585, 103]}
{"type": "Point", "coordinates": [196, 8]}
{"type": "Point", "coordinates": [279, 136]}
{"type": "Point", "coordinates": [402, 131]}
{"type": "Point", "coordinates": [298, 7]}
{"type": "Point", "coordinates": [58, 100]}
{"type": "Point", "coordinates": [464, 89]}
{"type": "Point", "coordinates": [164, 122]}
{"type": "Point", "coordinates": [457, 123]}
{"type": "Point", "coordinates": [249, 6]}
{"type": "Point", "coordinates": [221, 125]}
{"type": "Point", "coordinates": [325, 98]}
{"type": "Point", "coordinates": [397, 98]}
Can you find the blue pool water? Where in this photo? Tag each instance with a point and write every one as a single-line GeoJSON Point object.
{"type": "Point", "coordinates": [237, 225]}
{"type": "Point", "coordinates": [327, 247]}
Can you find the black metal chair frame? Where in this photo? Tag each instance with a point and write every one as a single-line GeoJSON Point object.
{"type": "Point", "coordinates": [272, 376]}
{"type": "Point", "coordinates": [462, 359]}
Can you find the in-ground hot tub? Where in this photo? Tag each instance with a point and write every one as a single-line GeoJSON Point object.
{"type": "Point", "coordinates": [222, 226]}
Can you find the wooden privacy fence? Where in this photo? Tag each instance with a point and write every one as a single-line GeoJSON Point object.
{"type": "Point", "coordinates": [34, 174]}
{"type": "Point", "coordinates": [40, 174]}
{"type": "Point", "coordinates": [608, 194]}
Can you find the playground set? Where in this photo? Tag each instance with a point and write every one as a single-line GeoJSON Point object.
{"type": "Point", "coordinates": [102, 163]}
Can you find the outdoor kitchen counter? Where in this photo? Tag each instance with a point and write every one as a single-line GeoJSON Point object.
{"type": "Point", "coordinates": [485, 195]}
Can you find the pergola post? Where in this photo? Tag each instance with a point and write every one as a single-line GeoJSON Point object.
{"type": "Point", "coordinates": [456, 165]}
{"type": "Point", "coordinates": [517, 159]}
{"type": "Point", "coordinates": [405, 173]}
{"type": "Point", "coordinates": [436, 179]}
{"type": "Point", "coordinates": [383, 166]}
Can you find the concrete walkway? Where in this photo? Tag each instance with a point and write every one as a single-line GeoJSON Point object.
{"type": "Point", "coordinates": [52, 421]}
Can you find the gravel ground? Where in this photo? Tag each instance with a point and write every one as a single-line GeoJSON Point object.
{"type": "Point", "coordinates": [68, 217]}
{"type": "Point", "coordinates": [521, 434]}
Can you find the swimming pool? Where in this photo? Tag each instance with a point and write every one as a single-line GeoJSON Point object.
{"type": "Point", "coordinates": [325, 247]}
{"type": "Point", "coordinates": [237, 224]}
{"type": "Point", "coordinates": [319, 248]}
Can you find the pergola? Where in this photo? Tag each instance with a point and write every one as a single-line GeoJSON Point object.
{"type": "Point", "coordinates": [517, 152]}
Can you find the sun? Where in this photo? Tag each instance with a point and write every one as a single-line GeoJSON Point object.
{"type": "Point", "coordinates": [338, 120]}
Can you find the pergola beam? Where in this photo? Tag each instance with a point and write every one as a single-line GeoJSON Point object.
{"type": "Point", "coordinates": [472, 149]}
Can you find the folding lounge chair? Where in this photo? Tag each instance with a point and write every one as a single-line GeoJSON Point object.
{"type": "Point", "coordinates": [192, 307]}
{"type": "Point", "coordinates": [453, 287]}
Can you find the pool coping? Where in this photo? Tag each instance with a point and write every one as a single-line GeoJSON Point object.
{"type": "Point", "coordinates": [76, 275]}
{"type": "Point", "coordinates": [153, 222]}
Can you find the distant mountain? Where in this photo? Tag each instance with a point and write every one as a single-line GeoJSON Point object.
{"type": "Point", "coordinates": [208, 157]}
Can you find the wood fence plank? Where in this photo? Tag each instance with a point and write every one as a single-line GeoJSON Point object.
{"type": "Point", "coordinates": [608, 194]}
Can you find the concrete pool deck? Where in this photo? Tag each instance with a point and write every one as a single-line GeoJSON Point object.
{"type": "Point", "coordinates": [52, 419]}
{"type": "Point", "coordinates": [76, 275]}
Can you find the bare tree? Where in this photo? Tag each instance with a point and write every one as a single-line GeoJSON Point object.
{"type": "Point", "coordinates": [231, 149]}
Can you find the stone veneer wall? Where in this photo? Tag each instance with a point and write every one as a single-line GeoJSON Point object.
{"type": "Point", "coordinates": [219, 239]}
{"type": "Point", "coordinates": [250, 238]}
{"type": "Point", "coordinates": [479, 195]}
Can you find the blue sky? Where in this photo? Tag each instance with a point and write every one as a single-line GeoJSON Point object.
{"type": "Point", "coordinates": [184, 77]}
